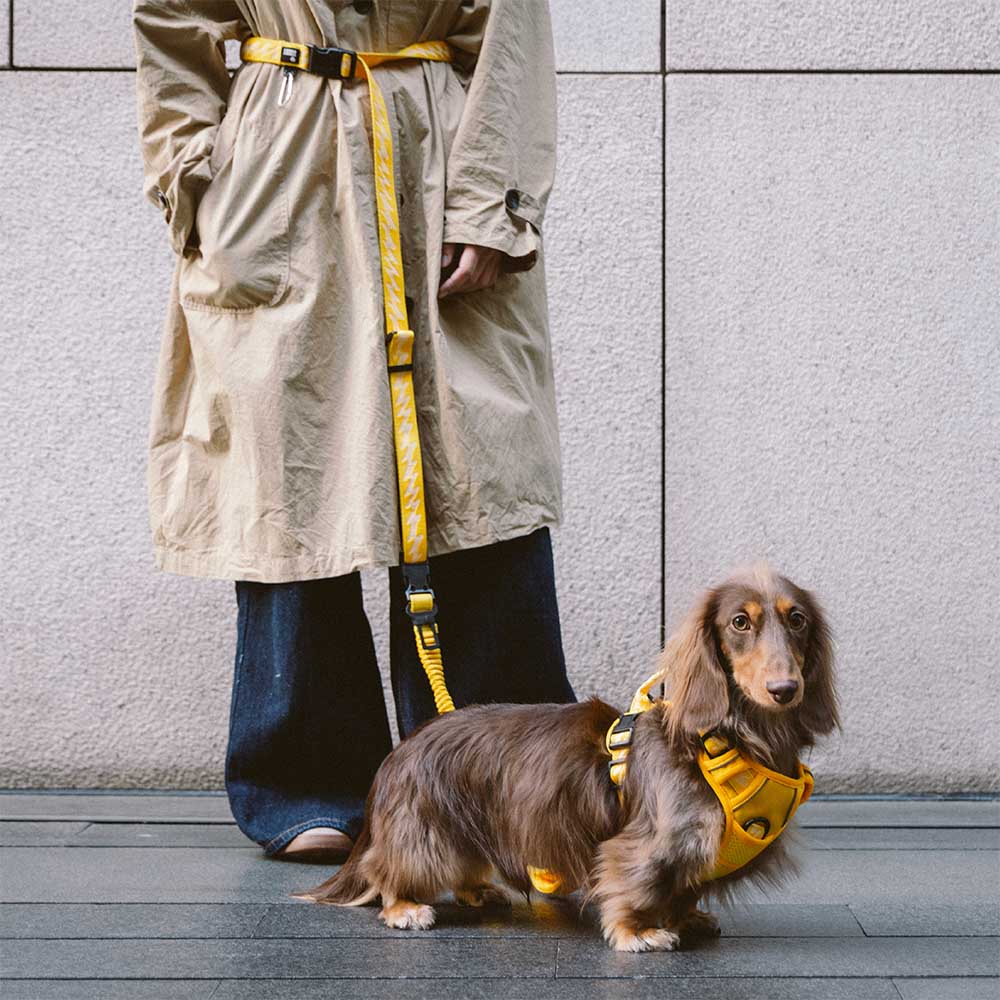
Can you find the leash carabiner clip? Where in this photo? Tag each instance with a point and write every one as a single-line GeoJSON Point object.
{"type": "Point", "coordinates": [287, 85]}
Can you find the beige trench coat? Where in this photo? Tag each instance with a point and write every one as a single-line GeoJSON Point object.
{"type": "Point", "coordinates": [271, 454]}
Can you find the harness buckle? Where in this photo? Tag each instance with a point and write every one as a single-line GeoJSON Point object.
{"type": "Point", "coordinates": [331, 61]}
{"type": "Point", "coordinates": [620, 734]}
{"type": "Point", "coordinates": [713, 744]}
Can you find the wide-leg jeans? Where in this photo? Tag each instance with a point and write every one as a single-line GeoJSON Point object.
{"type": "Point", "coordinates": [308, 725]}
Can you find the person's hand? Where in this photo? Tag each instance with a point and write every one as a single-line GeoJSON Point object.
{"type": "Point", "coordinates": [478, 267]}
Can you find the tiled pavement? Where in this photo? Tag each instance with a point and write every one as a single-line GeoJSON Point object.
{"type": "Point", "coordinates": [157, 895]}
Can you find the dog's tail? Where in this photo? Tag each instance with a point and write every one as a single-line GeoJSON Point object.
{"type": "Point", "coordinates": [348, 886]}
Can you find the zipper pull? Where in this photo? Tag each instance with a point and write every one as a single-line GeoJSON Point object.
{"type": "Point", "coordinates": [287, 84]}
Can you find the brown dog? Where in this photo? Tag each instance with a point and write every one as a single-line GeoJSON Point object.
{"type": "Point", "coordinates": [491, 789]}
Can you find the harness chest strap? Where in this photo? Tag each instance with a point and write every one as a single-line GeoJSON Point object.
{"type": "Point", "coordinates": [346, 64]}
{"type": "Point", "coordinates": [757, 801]}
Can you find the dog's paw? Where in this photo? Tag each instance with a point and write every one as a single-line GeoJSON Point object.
{"type": "Point", "coordinates": [482, 895]}
{"type": "Point", "coordinates": [650, 939]}
{"type": "Point", "coordinates": [408, 916]}
{"type": "Point", "coordinates": [699, 924]}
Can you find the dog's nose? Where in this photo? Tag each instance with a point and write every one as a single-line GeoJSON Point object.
{"type": "Point", "coordinates": [782, 691]}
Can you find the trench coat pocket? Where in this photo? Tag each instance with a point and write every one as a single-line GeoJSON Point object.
{"type": "Point", "coordinates": [242, 258]}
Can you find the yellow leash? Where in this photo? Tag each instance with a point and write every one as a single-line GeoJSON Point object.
{"type": "Point", "coordinates": [345, 64]}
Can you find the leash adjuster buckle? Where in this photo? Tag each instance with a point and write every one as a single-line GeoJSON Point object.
{"type": "Point", "coordinates": [424, 616]}
{"type": "Point", "coordinates": [421, 607]}
{"type": "Point", "coordinates": [331, 61]}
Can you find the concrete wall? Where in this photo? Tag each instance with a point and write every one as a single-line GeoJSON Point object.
{"type": "Point", "coordinates": [825, 355]}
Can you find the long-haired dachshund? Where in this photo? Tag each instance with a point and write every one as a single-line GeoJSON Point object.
{"type": "Point", "coordinates": [491, 789]}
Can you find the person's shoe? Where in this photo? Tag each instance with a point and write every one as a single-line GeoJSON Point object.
{"type": "Point", "coordinates": [318, 845]}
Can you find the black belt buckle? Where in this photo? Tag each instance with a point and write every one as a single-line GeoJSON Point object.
{"type": "Point", "coordinates": [330, 61]}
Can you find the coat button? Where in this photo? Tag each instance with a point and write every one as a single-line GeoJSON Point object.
{"type": "Point", "coordinates": [363, 6]}
{"type": "Point", "coordinates": [512, 199]}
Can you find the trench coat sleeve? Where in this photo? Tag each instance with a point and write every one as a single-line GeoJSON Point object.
{"type": "Point", "coordinates": [501, 165]}
{"type": "Point", "coordinates": [182, 88]}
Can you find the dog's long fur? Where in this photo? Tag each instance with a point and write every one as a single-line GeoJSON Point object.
{"type": "Point", "coordinates": [487, 790]}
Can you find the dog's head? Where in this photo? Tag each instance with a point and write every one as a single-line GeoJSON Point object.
{"type": "Point", "coordinates": [756, 641]}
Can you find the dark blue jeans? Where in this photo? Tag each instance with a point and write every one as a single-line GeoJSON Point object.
{"type": "Point", "coordinates": [308, 726]}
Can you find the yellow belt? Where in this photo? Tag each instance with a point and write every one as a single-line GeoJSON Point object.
{"type": "Point", "coordinates": [346, 64]}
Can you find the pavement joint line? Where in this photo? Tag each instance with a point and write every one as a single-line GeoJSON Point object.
{"type": "Point", "coordinates": [484, 979]}
{"type": "Point", "coordinates": [850, 910]}
{"type": "Point", "coordinates": [218, 793]}
{"type": "Point", "coordinates": [264, 915]}
{"type": "Point", "coordinates": [524, 936]}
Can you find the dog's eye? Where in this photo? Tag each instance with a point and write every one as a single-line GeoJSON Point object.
{"type": "Point", "coordinates": [796, 621]}
{"type": "Point", "coordinates": [741, 623]}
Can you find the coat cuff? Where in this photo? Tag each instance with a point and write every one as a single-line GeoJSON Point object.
{"type": "Point", "coordinates": [511, 225]}
{"type": "Point", "coordinates": [178, 194]}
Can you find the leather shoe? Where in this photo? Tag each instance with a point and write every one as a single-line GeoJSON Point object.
{"type": "Point", "coordinates": [317, 845]}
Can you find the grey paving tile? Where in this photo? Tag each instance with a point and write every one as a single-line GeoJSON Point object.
{"type": "Point", "coordinates": [545, 918]}
{"type": "Point", "coordinates": [900, 812]}
{"type": "Point", "coordinates": [832, 34]}
{"type": "Point", "coordinates": [604, 382]}
{"type": "Point", "coordinates": [131, 920]}
{"type": "Point", "coordinates": [809, 189]}
{"type": "Point", "coordinates": [902, 838]}
{"type": "Point", "coordinates": [563, 989]}
{"type": "Point", "coordinates": [967, 877]}
{"type": "Point", "coordinates": [791, 957]}
{"type": "Point", "coordinates": [281, 958]}
{"type": "Point", "coordinates": [196, 875]}
{"type": "Point", "coordinates": [162, 835]}
{"type": "Point", "coordinates": [928, 919]}
{"type": "Point", "coordinates": [104, 36]}
{"type": "Point", "coordinates": [948, 989]}
{"type": "Point", "coordinates": [148, 875]}
{"type": "Point", "coordinates": [108, 989]}
{"type": "Point", "coordinates": [212, 807]}
{"type": "Point", "coordinates": [19, 834]}
{"type": "Point", "coordinates": [789, 920]}
{"type": "Point", "coordinates": [208, 807]}
{"type": "Point", "coordinates": [583, 41]}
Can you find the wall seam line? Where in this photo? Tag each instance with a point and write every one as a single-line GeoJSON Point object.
{"type": "Point", "coordinates": [663, 323]}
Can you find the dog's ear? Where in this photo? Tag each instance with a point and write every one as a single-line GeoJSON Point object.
{"type": "Point", "coordinates": [696, 681]}
{"type": "Point", "coordinates": [818, 712]}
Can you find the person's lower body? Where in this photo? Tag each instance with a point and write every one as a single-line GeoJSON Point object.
{"type": "Point", "coordinates": [308, 726]}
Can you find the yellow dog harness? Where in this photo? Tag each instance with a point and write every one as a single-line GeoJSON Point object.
{"type": "Point", "coordinates": [758, 803]}
{"type": "Point", "coordinates": [345, 64]}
